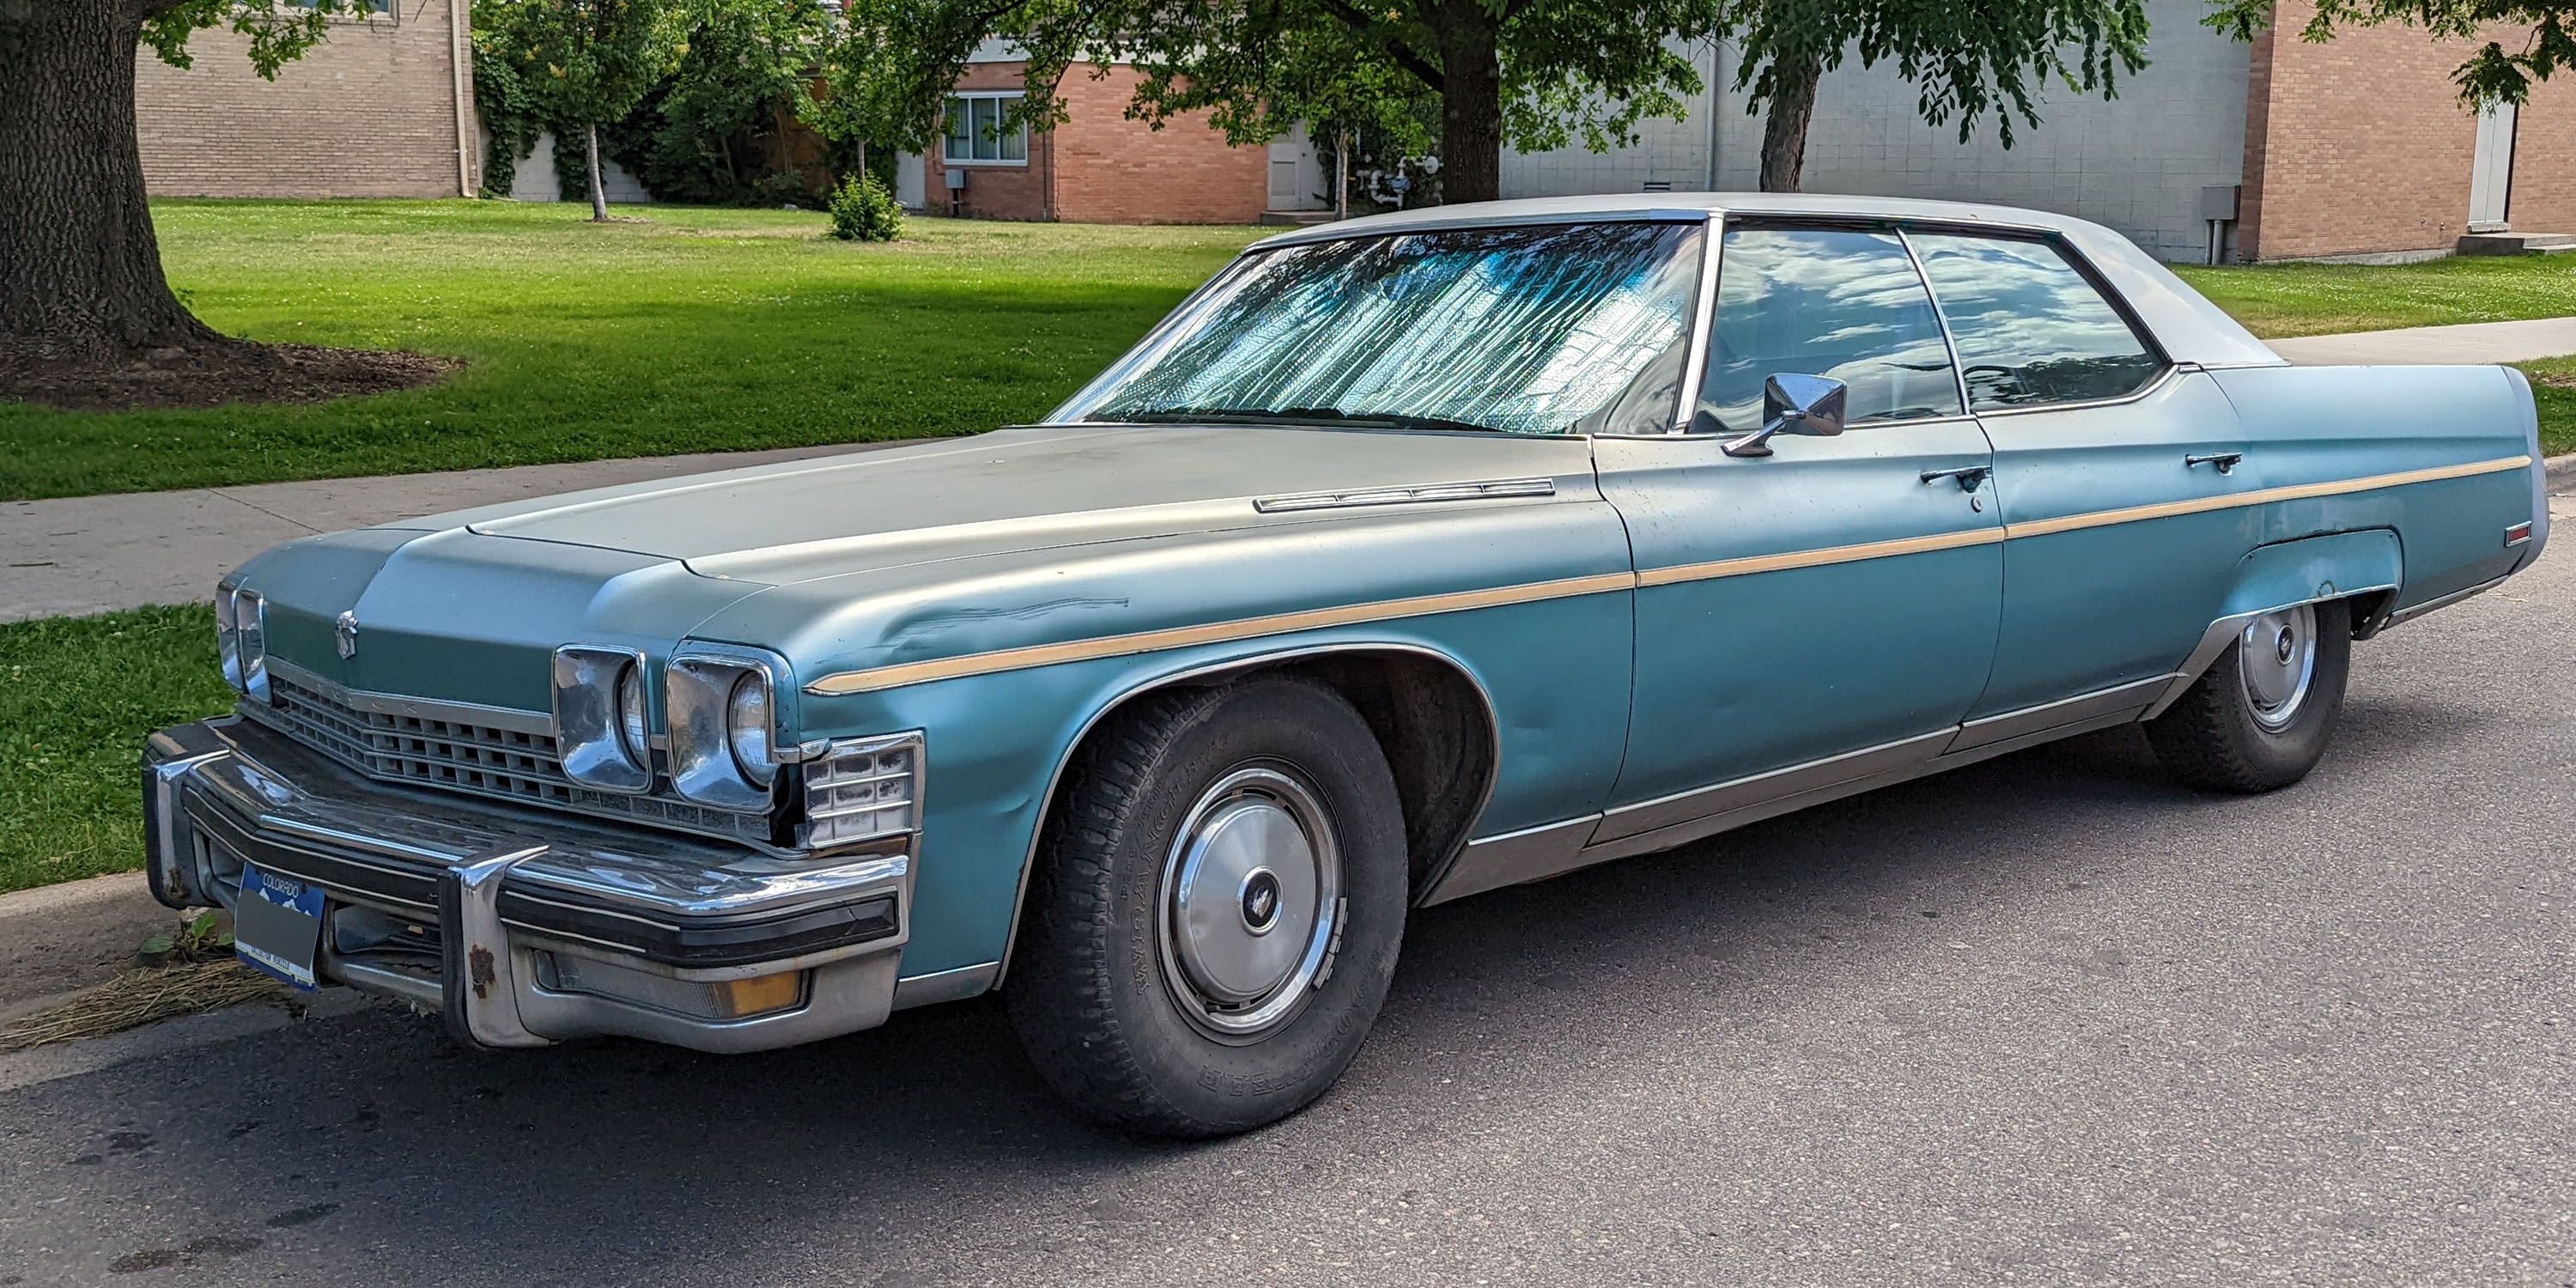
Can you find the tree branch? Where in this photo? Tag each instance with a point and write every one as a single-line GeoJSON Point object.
{"type": "Point", "coordinates": [1361, 21]}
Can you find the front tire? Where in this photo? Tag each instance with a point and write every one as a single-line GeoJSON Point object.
{"type": "Point", "coordinates": [2261, 716]}
{"type": "Point", "coordinates": [1216, 911]}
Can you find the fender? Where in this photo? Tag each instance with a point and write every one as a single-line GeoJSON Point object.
{"type": "Point", "coordinates": [1201, 670]}
{"type": "Point", "coordinates": [2337, 565]}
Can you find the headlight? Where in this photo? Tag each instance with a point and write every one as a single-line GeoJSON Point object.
{"type": "Point", "coordinates": [747, 729]}
{"type": "Point", "coordinates": [634, 726]}
{"type": "Point", "coordinates": [723, 706]}
{"type": "Point", "coordinates": [228, 634]}
{"type": "Point", "coordinates": [241, 639]}
{"type": "Point", "coordinates": [601, 724]}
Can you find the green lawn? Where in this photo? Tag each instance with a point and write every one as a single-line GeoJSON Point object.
{"type": "Point", "coordinates": [77, 697]}
{"type": "Point", "coordinates": [2275, 300]}
{"type": "Point", "coordinates": [696, 330]}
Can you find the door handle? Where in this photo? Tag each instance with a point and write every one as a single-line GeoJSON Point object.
{"type": "Point", "coordinates": [2225, 461]}
{"type": "Point", "coordinates": [1968, 476]}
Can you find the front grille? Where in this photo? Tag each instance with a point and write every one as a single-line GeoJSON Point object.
{"type": "Point", "coordinates": [478, 759]}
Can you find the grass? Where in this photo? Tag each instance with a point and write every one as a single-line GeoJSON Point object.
{"type": "Point", "coordinates": [77, 697]}
{"type": "Point", "coordinates": [695, 330]}
{"type": "Point", "coordinates": [2277, 300]}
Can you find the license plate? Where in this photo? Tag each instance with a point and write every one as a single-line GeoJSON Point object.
{"type": "Point", "coordinates": [277, 925]}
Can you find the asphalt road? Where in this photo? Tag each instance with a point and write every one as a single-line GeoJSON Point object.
{"type": "Point", "coordinates": [2046, 1020]}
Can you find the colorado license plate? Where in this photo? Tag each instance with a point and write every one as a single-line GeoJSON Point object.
{"type": "Point", "coordinates": [277, 925]}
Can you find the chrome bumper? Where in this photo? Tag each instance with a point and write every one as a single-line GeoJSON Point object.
{"type": "Point", "coordinates": [523, 927]}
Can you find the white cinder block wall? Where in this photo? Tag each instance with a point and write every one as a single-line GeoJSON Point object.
{"type": "Point", "coordinates": [2136, 163]}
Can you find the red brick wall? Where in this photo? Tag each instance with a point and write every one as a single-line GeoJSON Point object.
{"type": "Point", "coordinates": [1099, 167]}
{"type": "Point", "coordinates": [2360, 145]}
{"type": "Point", "coordinates": [370, 112]}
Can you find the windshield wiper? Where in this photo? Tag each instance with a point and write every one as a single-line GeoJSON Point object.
{"type": "Point", "coordinates": [1289, 416]}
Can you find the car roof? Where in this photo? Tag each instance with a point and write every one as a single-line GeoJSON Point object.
{"type": "Point", "coordinates": [2189, 328]}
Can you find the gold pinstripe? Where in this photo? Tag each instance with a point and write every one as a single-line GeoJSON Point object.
{"type": "Point", "coordinates": [1035, 655]}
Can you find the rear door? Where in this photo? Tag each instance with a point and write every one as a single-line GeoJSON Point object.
{"type": "Point", "coordinates": [2116, 472]}
{"type": "Point", "coordinates": [1826, 610]}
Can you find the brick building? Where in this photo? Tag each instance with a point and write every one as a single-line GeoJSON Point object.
{"type": "Point", "coordinates": [381, 108]}
{"type": "Point", "coordinates": [2357, 147]}
{"type": "Point", "coordinates": [1097, 167]}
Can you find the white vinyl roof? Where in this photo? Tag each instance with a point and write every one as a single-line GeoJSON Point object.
{"type": "Point", "coordinates": [2190, 328]}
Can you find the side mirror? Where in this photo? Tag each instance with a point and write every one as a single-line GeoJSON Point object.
{"type": "Point", "coordinates": [1795, 404]}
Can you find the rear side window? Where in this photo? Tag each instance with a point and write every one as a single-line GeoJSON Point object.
{"type": "Point", "coordinates": [1837, 302]}
{"type": "Point", "coordinates": [2029, 328]}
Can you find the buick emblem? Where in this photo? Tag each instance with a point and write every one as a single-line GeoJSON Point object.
{"type": "Point", "coordinates": [344, 632]}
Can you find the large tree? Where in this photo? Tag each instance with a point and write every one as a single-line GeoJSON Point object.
{"type": "Point", "coordinates": [1964, 60]}
{"type": "Point", "coordinates": [2492, 73]}
{"type": "Point", "coordinates": [1533, 73]}
{"type": "Point", "coordinates": [80, 271]}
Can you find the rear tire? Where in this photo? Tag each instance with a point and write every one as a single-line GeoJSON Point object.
{"type": "Point", "coordinates": [2261, 716]}
{"type": "Point", "coordinates": [1217, 906]}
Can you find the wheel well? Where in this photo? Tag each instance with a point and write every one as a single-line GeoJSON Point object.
{"type": "Point", "coordinates": [1433, 723]}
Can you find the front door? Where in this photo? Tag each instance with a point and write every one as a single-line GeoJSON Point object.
{"type": "Point", "coordinates": [1826, 612]}
{"type": "Point", "coordinates": [2114, 472]}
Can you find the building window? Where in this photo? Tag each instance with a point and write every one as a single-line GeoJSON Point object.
{"type": "Point", "coordinates": [975, 133]}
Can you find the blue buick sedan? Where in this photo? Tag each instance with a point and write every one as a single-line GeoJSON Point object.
{"type": "Point", "coordinates": [1411, 557]}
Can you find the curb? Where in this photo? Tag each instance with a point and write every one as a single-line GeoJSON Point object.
{"type": "Point", "coordinates": [59, 939]}
{"type": "Point", "coordinates": [2560, 470]}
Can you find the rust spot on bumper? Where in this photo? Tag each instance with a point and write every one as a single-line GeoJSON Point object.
{"type": "Point", "coordinates": [478, 970]}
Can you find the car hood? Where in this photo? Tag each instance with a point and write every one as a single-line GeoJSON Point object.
{"type": "Point", "coordinates": [1009, 491]}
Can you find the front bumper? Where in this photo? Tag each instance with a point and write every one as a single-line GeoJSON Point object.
{"type": "Point", "coordinates": [523, 927]}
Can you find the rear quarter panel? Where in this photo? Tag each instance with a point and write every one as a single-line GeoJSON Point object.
{"type": "Point", "coordinates": [2336, 431]}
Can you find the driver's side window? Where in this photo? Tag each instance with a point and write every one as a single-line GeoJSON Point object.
{"type": "Point", "coordinates": [1838, 302]}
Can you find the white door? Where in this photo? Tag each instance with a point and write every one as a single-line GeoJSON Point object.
{"type": "Point", "coordinates": [907, 181]}
{"type": "Point", "coordinates": [1296, 176]}
{"type": "Point", "coordinates": [2491, 173]}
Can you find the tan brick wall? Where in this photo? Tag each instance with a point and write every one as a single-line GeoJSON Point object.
{"type": "Point", "coordinates": [1111, 170]}
{"type": "Point", "coordinates": [1099, 167]}
{"type": "Point", "coordinates": [2543, 199]}
{"type": "Point", "coordinates": [2360, 145]}
{"type": "Point", "coordinates": [370, 112]}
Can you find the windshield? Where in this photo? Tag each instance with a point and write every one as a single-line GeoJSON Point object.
{"type": "Point", "coordinates": [1539, 330]}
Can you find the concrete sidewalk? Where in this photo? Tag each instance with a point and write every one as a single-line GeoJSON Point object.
{"type": "Point", "coordinates": [93, 554]}
{"type": "Point", "coordinates": [2464, 345]}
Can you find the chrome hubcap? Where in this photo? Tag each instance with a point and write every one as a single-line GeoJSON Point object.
{"type": "Point", "coordinates": [2277, 656]}
{"type": "Point", "coordinates": [1251, 899]}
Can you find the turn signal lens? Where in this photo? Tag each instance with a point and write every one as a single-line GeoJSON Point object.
{"type": "Point", "coordinates": [757, 996]}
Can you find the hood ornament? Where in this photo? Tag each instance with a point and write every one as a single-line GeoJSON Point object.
{"type": "Point", "coordinates": [344, 633]}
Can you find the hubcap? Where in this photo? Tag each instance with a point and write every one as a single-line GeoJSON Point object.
{"type": "Point", "coordinates": [2277, 657]}
{"type": "Point", "coordinates": [1250, 902]}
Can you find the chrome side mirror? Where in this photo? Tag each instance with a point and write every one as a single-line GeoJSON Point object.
{"type": "Point", "coordinates": [1795, 404]}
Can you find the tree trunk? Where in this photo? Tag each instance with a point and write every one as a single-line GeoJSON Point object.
{"type": "Point", "coordinates": [598, 193]}
{"type": "Point", "coordinates": [80, 270]}
{"type": "Point", "coordinates": [1784, 131]}
{"type": "Point", "coordinates": [1471, 103]}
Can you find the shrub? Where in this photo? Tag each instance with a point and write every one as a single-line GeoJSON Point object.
{"type": "Point", "coordinates": [865, 210]}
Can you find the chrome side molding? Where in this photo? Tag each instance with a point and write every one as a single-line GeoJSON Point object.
{"type": "Point", "coordinates": [1473, 491]}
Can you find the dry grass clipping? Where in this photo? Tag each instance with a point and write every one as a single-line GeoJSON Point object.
{"type": "Point", "coordinates": [140, 997]}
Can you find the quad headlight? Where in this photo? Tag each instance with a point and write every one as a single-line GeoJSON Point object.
{"type": "Point", "coordinates": [241, 639]}
{"type": "Point", "coordinates": [603, 729]}
{"type": "Point", "coordinates": [724, 718]}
